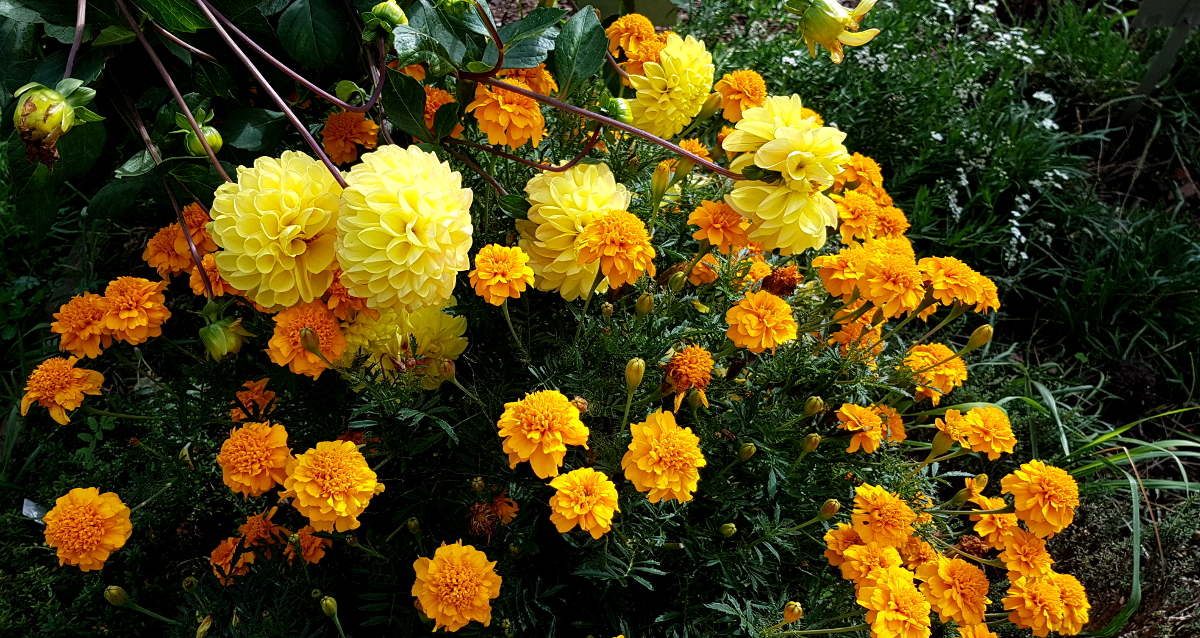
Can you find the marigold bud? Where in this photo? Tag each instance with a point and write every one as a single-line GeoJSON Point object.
{"type": "Point", "coordinates": [206, 625]}
{"type": "Point", "coordinates": [477, 484]}
{"type": "Point", "coordinates": [792, 612]}
{"type": "Point", "coordinates": [747, 450]}
{"type": "Point", "coordinates": [979, 338]}
{"type": "Point", "coordinates": [695, 400]}
{"type": "Point", "coordinates": [711, 106]}
{"type": "Point", "coordinates": [813, 405]}
{"type": "Point", "coordinates": [413, 525]}
{"type": "Point", "coordinates": [728, 529]}
{"type": "Point", "coordinates": [447, 369]}
{"type": "Point", "coordinates": [811, 442]}
{"type": "Point", "coordinates": [644, 305]}
{"type": "Point", "coordinates": [829, 509]}
{"type": "Point", "coordinates": [877, 318]}
{"type": "Point", "coordinates": [941, 444]}
{"type": "Point", "coordinates": [329, 606]}
{"type": "Point", "coordinates": [513, 550]}
{"type": "Point", "coordinates": [116, 596]}
{"type": "Point", "coordinates": [352, 540]}
{"type": "Point", "coordinates": [224, 337]}
{"type": "Point", "coordinates": [676, 282]}
{"type": "Point", "coordinates": [316, 593]}
{"type": "Point", "coordinates": [700, 307]}
{"type": "Point", "coordinates": [190, 583]}
{"type": "Point", "coordinates": [580, 404]}
{"type": "Point", "coordinates": [660, 181]}
{"type": "Point", "coordinates": [606, 309]}
{"type": "Point", "coordinates": [981, 481]}
{"type": "Point", "coordinates": [310, 341]}
{"type": "Point", "coordinates": [634, 371]}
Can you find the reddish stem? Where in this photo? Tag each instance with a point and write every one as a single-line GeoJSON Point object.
{"type": "Point", "coordinates": [130, 111]}
{"type": "Point", "coordinates": [191, 194]}
{"type": "Point", "coordinates": [591, 143]}
{"type": "Point", "coordinates": [616, 67]}
{"type": "Point", "coordinates": [482, 173]}
{"type": "Point", "coordinates": [174, 38]}
{"type": "Point", "coordinates": [187, 235]}
{"type": "Point", "coordinates": [499, 48]}
{"type": "Point", "coordinates": [80, 22]}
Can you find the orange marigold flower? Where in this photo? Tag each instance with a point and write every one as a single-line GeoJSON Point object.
{"type": "Point", "coordinates": [891, 222]}
{"type": "Point", "coordinates": [331, 485]}
{"type": "Point", "coordinates": [620, 241]}
{"type": "Point", "coordinates": [859, 342]}
{"type": "Point", "coordinates": [760, 321]}
{"type": "Point", "coordinates": [312, 547]}
{"type": "Point", "coordinates": [989, 431]}
{"type": "Point", "coordinates": [222, 560]}
{"type": "Point", "coordinates": [892, 422]}
{"type": "Point", "coordinates": [861, 170]}
{"type": "Point", "coordinates": [537, 78]}
{"type": "Point", "coordinates": [629, 33]}
{"type": "Point", "coordinates": [435, 99]}
{"type": "Point", "coordinates": [505, 507]}
{"type": "Point", "coordinates": [976, 631]}
{"type": "Point", "coordinates": [219, 285]}
{"type": "Point", "coordinates": [950, 279]}
{"type": "Point", "coordinates": [57, 385]}
{"type": "Point", "coordinates": [995, 529]}
{"type": "Point", "coordinates": [782, 282]}
{"type": "Point", "coordinates": [1045, 497]}
{"type": "Point", "coordinates": [507, 117]}
{"type": "Point", "coordinates": [500, 273]}
{"type": "Point", "coordinates": [197, 219]}
{"type": "Point", "coordinates": [343, 304]}
{"type": "Point", "coordinates": [689, 369]}
{"type": "Point", "coordinates": [895, 608]}
{"type": "Point", "coordinates": [954, 426]}
{"type": "Point", "coordinates": [86, 526]}
{"type": "Point", "coordinates": [706, 271]}
{"type": "Point", "coordinates": [343, 130]}
{"type": "Point", "coordinates": [456, 586]}
{"type": "Point", "coordinates": [934, 375]}
{"type": "Point", "coordinates": [253, 403]}
{"type": "Point", "coordinates": [807, 113]}
{"type": "Point", "coordinates": [261, 530]}
{"type": "Point", "coordinates": [956, 589]}
{"type": "Point", "coordinates": [722, 226]}
{"type": "Point", "coordinates": [1074, 601]}
{"type": "Point", "coordinates": [864, 424]}
{"type": "Point", "coordinates": [893, 283]}
{"type": "Point", "coordinates": [691, 145]}
{"type": "Point", "coordinates": [415, 71]}
{"type": "Point", "coordinates": [838, 540]}
{"type": "Point", "coordinates": [858, 214]}
{"type": "Point", "coordinates": [862, 562]}
{"type": "Point", "coordinates": [741, 90]}
{"type": "Point", "coordinates": [842, 272]}
{"type": "Point", "coordinates": [80, 321]}
{"type": "Point", "coordinates": [1025, 555]}
{"type": "Point", "coordinates": [917, 552]}
{"type": "Point", "coordinates": [136, 309]}
{"type": "Point", "coordinates": [724, 133]}
{"type": "Point", "coordinates": [160, 252]}
{"type": "Point", "coordinates": [286, 349]}
{"type": "Point", "coordinates": [880, 516]}
{"type": "Point", "coordinates": [586, 498]}
{"type": "Point", "coordinates": [538, 429]}
{"type": "Point", "coordinates": [254, 458]}
{"type": "Point", "coordinates": [663, 458]}
{"type": "Point", "coordinates": [1034, 603]}
{"type": "Point", "coordinates": [988, 297]}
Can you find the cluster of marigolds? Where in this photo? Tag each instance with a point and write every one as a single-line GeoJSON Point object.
{"type": "Point", "coordinates": [365, 271]}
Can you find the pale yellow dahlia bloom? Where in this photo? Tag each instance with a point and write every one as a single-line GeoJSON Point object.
{"type": "Point", "coordinates": [562, 206]}
{"type": "Point", "coordinates": [276, 225]}
{"type": "Point", "coordinates": [405, 229]}
{"type": "Point", "coordinates": [671, 92]}
{"type": "Point", "coordinates": [388, 340]}
{"type": "Point", "coordinates": [829, 24]}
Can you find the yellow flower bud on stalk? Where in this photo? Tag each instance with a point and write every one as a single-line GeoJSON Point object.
{"type": "Point", "coordinates": [116, 596]}
{"type": "Point", "coordinates": [747, 450]}
{"type": "Point", "coordinates": [676, 282]}
{"type": "Point", "coordinates": [979, 338]}
{"type": "Point", "coordinates": [792, 612]}
{"type": "Point", "coordinates": [634, 371]}
{"type": "Point", "coordinates": [659, 183]}
{"type": "Point", "coordinates": [728, 529]}
{"type": "Point", "coordinates": [606, 309]}
{"type": "Point", "coordinates": [829, 509]}
{"type": "Point", "coordinates": [812, 406]}
{"type": "Point", "coordinates": [644, 305]}
{"type": "Point", "coordinates": [711, 106]}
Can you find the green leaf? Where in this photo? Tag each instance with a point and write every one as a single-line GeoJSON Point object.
{"type": "Point", "coordinates": [445, 119]}
{"type": "Point", "coordinates": [66, 34]}
{"type": "Point", "coordinates": [347, 89]}
{"type": "Point", "coordinates": [17, 11]}
{"type": "Point", "coordinates": [1135, 542]}
{"type": "Point", "coordinates": [114, 35]}
{"type": "Point", "coordinates": [514, 206]}
{"type": "Point", "coordinates": [87, 67]}
{"type": "Point", "coordinates": [579, 50]}
{"type": "Point", "coordinates": [460, 45]}
{"type": "Point", "coordinates": [1053, 405]}
{"type": "Point", "coordinates": [81, 96]}
{"type": "Point", "coordinates": [538, 21]}
{"type": "Point", "coordinates": [115, 198]}
{"type": "Point", "coordinates": [312, 32]}
{"type": "Point", "coordinates": [527, 53]}
{"type": "Point", "coordinates": [67, 86]}
{"type": "Point", "coordinates": [254, 130]}
{"type": "Point", "coordinates": [213, 80]}
{"type": "Point", "coordinates": [176, 15]}
{"type": "Point", "coordinates": [84, 115]}
{"type": "Point", "coordinates": [271, 7]}
{"type": "Point", "coordinates": [404, 102]}
{"type": "Point", "coordinates": [413, 47]}
{"type": "Point", "coordinates": [140, 164]}
{"type": "Point", "coordinates": [479, 67]}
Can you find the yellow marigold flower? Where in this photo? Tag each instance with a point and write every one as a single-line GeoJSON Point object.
{"type": "Point", "coordinates": [706, 271]}
{"type": "Point", "coordinates": [456, 586]}
{"type": "Point", "coordinates": [858, 214]}
{"type": "Point", "coordinates": [956, 589]}
{"type": "Point", "coordinates": [312, 547]}
{"type": "Point", "coordinates": [950, 279]}
{"type": "Point", "coordinates": [277, 225]}
{"type": "Point", "coordinates": [415, 71]}
{"type": "Point", "coordinates": [689, 369]}
{"type": "Point", "coordinates": [404, 230]}
{"type": "Point", "coordinates": [893, 283]}
{"type": "Point", "coordinates": [917, 552]}
{"type": "Point", "coordinates": [880, 516]}
{"type": "Point", "coordinates": [892, 422]}
{"type": "Point", "coordinates": [197, 220]}
{"type": "Point", "coordinates": [760, 321]}
{"type": "Point", "coordinates": [254, 458]}
{"type": "Point", "coordinates": [628, 33]}
{"type": "Point", "coordinates": [722, 226]}
{"type": "Point", "coordinates": [286, 349]}
{"type": "Point", "coordinates": [500, 273]}
{"type": "Point", "coordinates": [988, 297]}
{"type": "Point", "coordinates": [222, 560]}
{"type": "Point", "coordinates": [842, 272]}
{"type": "Point", "coordinates": [671, 91]}
{"type": "Point", "coordinates": [505, 507]}
{"type": "Point", "coordinates": [1074, 601]}
{"type": "Point", "coordinates": [331, 485]}
{"type": "Point", "coordinates": [586, 498]}
{"type": "Point", "coordinates": [934, 383]}
{"type": "Point", "coordinates": [1045, 497]}
{"type": "Point", "coordinates": [891, 222]}
{"type": "Point", "coordinates": [345, 129]}
{"type": "Point", "coordinates": [759, 269]}
{"type": "Point", "coordinates": [57, 385]}
{"type": "Point", "coordinates": [620, 242]}
{"type": "Point", "coordinates": [256, 402]}
{"type": "Point", "coordinates": [562, 206]}
{"type": "Point", "coordinates": [994, 529]}
{"type": "Point", "coordinates": [895, 608]}
{"type": "Point", "coordinates": [435, 99]}
{"type": "Point", "coordinates": [80, 321]}
{"type": "Point", "coordinates": [862, 562]}
{"type": "Point", "coordinates": [1025, 555]}
{"type": "Point", "coordinates": [1034, 603]}
{"type": "Point", "coordinates": [136, 309]}
{"type": "Point", "coordinates": [976, 631]}
{"type": "Point", "coordinates": [220, 287]}
{"type": "Point", "coordinates": [259, 529]}
{"type": "Point", "coordinates": [538, 79]}
{"type": "Point", "coordinates": [507, 117]}
{"type": "Point", "coordinates": [663, 458]}
{"type": "Point", "coordinates": [954, 426]}
{"type": "Point", "coordinates": [741, 90]}
{"type": "Point", "coordinates": [988, 431]}
{"type": "Point", "coordinates": [864, 424]}
{"type": "Point", "coordinates": [829, 24]}
{"type": "Point", "coordinates": [861, 170]}
{"type": "Point", "coordinates": [538, 429]}
{"type": "Point", "coordinates": [160, 252]}
{"type": "Point", "coordinates": [86, 526]}
{"type": "Point", "coordinates": [838, 540]}
{"type": "Point", "coordinates": [343, 304]}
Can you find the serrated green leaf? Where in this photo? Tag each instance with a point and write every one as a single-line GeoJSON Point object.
{"type": "Point", "coordinates": [404, 102]}
{"type": "Point", "coordinates": [413, 47]}
{"type": "Point", "coordinates": [312, 32]}
{"type": "Point", "coordinates": [140, 164]}
{"type": "Point", "coordinates": [579, 50]}
{"type": "Point", "coordinates": [114, 35]}
{"type": "Point", "coordinates": [271, 7]}
{"type": "Point", "coordinates": [254, 130]}
{"type": "Point", "coordinates": [538, 21]}
{"type": "Point", "coordinates": [176, 15]}
{"type": "Point", "coordinates": [19, 12]}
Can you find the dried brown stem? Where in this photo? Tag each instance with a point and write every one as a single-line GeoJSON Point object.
{"type": "Point", "coordinates": [80, 23]}
{"type": "Point", "coordinates": [616, 67]}
{"type": "Point", "coordinates": [473, 77]}
{"type": "Point", "coordinates": [126, 106]}
{"type": "Point", "coordinates": [187, 235]}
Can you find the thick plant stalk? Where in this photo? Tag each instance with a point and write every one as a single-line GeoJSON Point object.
{"type": "Point", "coordinates": [179, 42]}
{"type": "Point", "coordinates": [482, 173]}
{"type": "Point", "coordinates": [591, 143]}
{"type": "Point", "coordinates": [80, 22]}
{"type": "Point", "coordinates": [187, 235]}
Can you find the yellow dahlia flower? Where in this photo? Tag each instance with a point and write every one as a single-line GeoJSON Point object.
{"type": "Point", "coordinates": [829, 24]}
{"type": "Point", "coordinates": [277, 225]}
{"type": "Point", "coordinates": [672, 91]}
{"type": "Point", "coordinates": [331, 485]}
{"type": "Point", "coordinates": [254, 458]}
{"type": "Point", "coordinates": [1035, 604]}
{"type": "Point", "coordinates": [86, 526]}
{"type": "Point", "coordinates": [562, 206]}
{"type": "Point", "coordinates": [956, 589]}
{"type": "Point", "coordinates": [881, 516]}
{"type": "Point", "coordinates": [500, 273]}
{"type": "Point", "coordinates": [760, 321]}
{"type": "Point", "coordinates": [586, 498]}
{"type": "Point", "coordinates": [405, 228]}
{"type": "Point", "coordinates": [663, 458]}
{"type": "Point", "coordinates": [619, 241]}
{"type": "Point", "coordinates": [538, 429]}
{"type": "Point", "coordinates": [388, 339]}
{"type": "Point", "coordinates": [456, 586]}
{"type": "Point", "coordinates": [895, 608]}
{"type": "Point", "coordinates": [57, 385]}
{"type": "Point", "coordinates": [1045, 497]}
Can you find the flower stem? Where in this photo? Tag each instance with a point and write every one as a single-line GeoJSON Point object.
{"type": "Point", "coordinates": [136, 607]}
{"type": "Point", "coordinates": [587, 302]}
{"type": "Point", "coordinates": [705, 248]}
{"type": "Point", "coordinates": [840, 630]}
{"type": "Point", "coordinates": [117, 415]}
{"type": "Point", "coordinates": [80, 23]}
{"type": "Point", "coordinates": [187, 235]}
{"type": "Point", "coordinates": [508, 320]}
{"type": "Point", "coordinates": [180, 43]}
{"type": "Point", "coordinates": [628, 404]}
{"type": "Point", "coordinates": [955, 313]}
{"type": "Point", "coordinates": [147, 501]}
{"type": "Point", "coordinates": [789, 530]}
{"type": "Point", "coordinates": [487, 177]}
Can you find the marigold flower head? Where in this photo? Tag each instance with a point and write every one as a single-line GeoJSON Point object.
{"type": "Point", "coordinates": [1074, 601]}
{"type": "Point", "coordinates": [312, 547]}
{"type": "Point", "coordinates": [935, 382]}
{"type": "Point", "coordinates": [586, 498]}
{"type": "Point", "coordinates": [722, 226]}
{"type": "Point", "coordinates": [500, 273]}
{"type": "Point", "coordinates": [331, 485]}
{"type": "Point", "coordinates": [663, 458]}
{"type": "Point", "coordinates": [57, 385]}
{"type": "Point", "coordinates": [286, 349]}
{"type": "Point", "coordinates": [893, 283]}
{"type": "Point", "coordinates": [842, 272]}
{"type": "Point", "coordinates": [706, 271]}
{"type": "Point", "coordinates": [671, 91]}
{"type": "Point", "coordinates": [689, 369]}
{"type": "Point", "coordinates": [860, 171]}
{"type": "Point", "coordinates": [741, 90]}
{"type": "Point", "coordinates": [988, 431]}
{"type": "Point", "coordinates": [838, 540]}
{"type": "Point", "coordinates": [86, 526]}
{"type": "Point", "coordinates": [136, 309]}
{"type": "Point", "coordinates": [620, 242]}
{"type": "Point", "coordinates": [917, 552]}
{"type": "Point", "coordinates": [881, 516]}
{"type": "Point", "coordinates": [1035, 604]}
{"type": "Point", "coordinates": [456, 586]}
{"type": "Point", "coordinates": [435, 99]}
{"type": "Point", "coordinates": [277, 225]}
{"type": "Point", "coordinates": [956, 589]}
{"type": "Point", "coordinates": [976, 631]}
{"type": "Point", "coordinates": [861, 562]}
{"type": "Point", "coordinates": [693, 146]}
{"type": "Point", "coordinates": [1025, 555]}
{"type": "Point", "coordinates": [538, 429]}
{"type": "Point", "coordinates": [562, 206]}
{"type": "Point", "coordinates": [1045, 497]}
{"type": "Point", "coordinates": [222, 560]}
{"type": "Point", "coordinates": [220, 287]}
{"type": "Point", "coordinates": [160, 252]}
{"type": "Point", "coordinates": [404, 230]}
{"type": "Point", "coordinates": [505, 507]}
{"type": "Point", "coordinates": [507, 117]}
{"type": "Point", "coordinates": [628, 33]}
{"type": "Point", "coordinates": [343, 130]}
{"type": "Point", "coordinates": [864, 424]}
{"type": "Point", "coordinates": [650, 50]}
{"type": "Point", "coordinates": [254, 403]}
{"type": "Point", "coordinates": [80, 321]}
{"type": "Point", "coordinates": [859, 342]}
{"type": "Point", "coordinates": [895, 608]}
{"type": "Point", "coordinates": [950, 279]}
{"type": "Point", "coordinates": [254, 458]}
{"type": "Point", "coordinates": [537, 78]}
{"type": "Point", "coordinates": [995, 529]}
{"type": "Point", "coordinates": [988, 297]}
{"type": "Point", "coordinates": [259, 529]}
{"type": "Point", "coordinates": [760, 321]}
{"type": "Point", "coordinates": [858, 214]}
{"type": "Point", "coordinates": [954, 426]}
{"type": "Point", "coordinates": [829, 24]}
{"type": "Point", "coordinates": [782, 282]}
{"type": "Point", "coordinates": [892, 422]}
{"type": "Point", "coordinates": [196, 219]}
{"type": "Point", "coordinates": [343, 304]}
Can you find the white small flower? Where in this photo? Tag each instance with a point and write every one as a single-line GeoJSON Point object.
{"type": "Point", "coordinates": [1044, 96]}
{"type": "Point", "coordinates": [1048, 124]}
{"type": "Point", "coordinates": [937, 136]}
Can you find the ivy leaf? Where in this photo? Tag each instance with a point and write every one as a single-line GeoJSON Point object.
{"type": "Point", "coordinates": [579, 50]}
{"type": "Point", "coordinates": [176, 15]}
{"type": "Point", "coordinates": [404, 101]}
{"type": "Point", "coordinates": [254, 130]}
{"type": "Point", "coordinates": [413, 47]}
{"type": "Point", "coordinates": [312, 32]}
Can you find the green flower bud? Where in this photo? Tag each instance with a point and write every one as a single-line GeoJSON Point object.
{"type": "Point", "coordinates": [728, 529]}
{"type": "Point", "coordinates": [813, 405]}
{"type": "Point", "coordinates": [811, 442]}
{"type": "Point", "coordinates": [634, 371]}
{"type": "Point", "coordinates": [618, 109]}
{"type": "Point", "coordinates": [413, 525]}
{"type": "Point", "coordinates": [677, 280]}
{"type": "Point", "coordinates": [116, 596]}
{"type": "Point", "coordinates": [830, 509]}
{"type": "Point", "coordinates": [979, 338]}
{"type": "Point", "coordinates": [190, 583]}
{"type": "Point", "coordinates": [457, 8]}
{"type": "Point", "coordinates": [310, 341]}
{"type": "Point", "coordinates": [644, 305]}
{"type": "Point", "coordinates": [747, 451]}
{"type": "Point", "coordinates": [329, 606]}
{"type": "Point", "coordinates": [660, 181]}
{"type": "Point", "coordinates": [711, 106]}
{"type": "Point", "coordinates": [42, 115]}
{"type": "Point", "coordinates": [477, 484]}
{"type": "Point", "coordinates": [224, 337]}
{"type": "Point", "coordinates": [390, 13]}
{"type": "Point", "coordinates": [211, 135]}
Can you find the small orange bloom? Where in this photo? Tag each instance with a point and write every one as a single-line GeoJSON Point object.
{"type": "Point", "coordinates": [415, 71]}
{"type": "Point", "coordinates": [705, 272]}
{"type": "Point", "coordinates": [312, 548]}
{"type": "Point", "coordinates": [435, 99]}
{"type": "Point", "coordinates": [80, 321]}
{"type": "Point", "coordinates": [219, 285]}
{"type": "Point", "coordinates": [620, 241]}
{"type": "Point", "coordinates": [256, 399]}
{"type": "Point", "coordinates": [343, 130]}
{"type": "Point", "coordinates": [505, 507]}
{"type": "Point", "coordinates": [254, 458]}
{"type": "Point", "coordinates": [197, 220]}
{"type": "Point", "coordinates": [56, 384]}
{"type": "Point", "coordinates": [506, 117]}
{"type": "Point", "coordinates": [261, 530]}
{"type": "Point", "coordinates": [222, 560]}
{"type": "Point", "coordinates": [500, 273]}
{"type": "Point", "coordinates": [741, 90]}
{"type": "Point", "coordinates": [86, 526]}
{"type": "Point", "coordinates": [864, 424]}
{"type": "Point", "coordinates": [160, 252]}
{"type": "Point", "coordinates": [136, 309]}
{"type": "Point", "coordinates": [286, 348]}
{"type": "Point", "coordinates": [538, 78]}
{"type": "Point", "coordinates": [689, 369]}
{"type": "Point", "coordinates": [629, 33]}
{"type": "Point", "coordinates": [760, 321]}
{"type": "Point", "coordinates": [722, 226]}
{"type": "Point", "coordinates": [343, 304]}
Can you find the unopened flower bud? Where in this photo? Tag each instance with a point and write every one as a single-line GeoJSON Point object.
{"type": "Point", "coordinates": [316, 593]}
{"type": "Point", "coordinates": [695, 400]}
{"type": "Point", "coordinates": [413, 525]}
{"type": "Point", "coordinates": [660, 181]}
{"type": "Point", "coordinates": [747, 450]}
{"type": "Point", "coordinates": [619, 109]}
{"type": "Point", "coordinates": [211, 135]}
{"type": "Point", "coordinates": [352, 540]}
{"type": "Point", "coordinates": [477, 484]}
{"type": "Point", "coordinates": [634, 371]}
{"type": "Point", "coordinates": [792, 612]}
{"type": "Point", "coordinates": [829, 509]}
{"type": "Point", "coordinates": [981, 481]}
{"type": "Point", "coordinates": [447, 370]}
{"type": "Point", "coordinates": [813, 405]}
{"type": "Point", "coordinates": [329, 606]}
{"type": "Point", "coordinates": [224, 337]}
{"type": "Point", "coordinates": [941, 444]}
{"type": "Point", "coordinates": [580, 404]}
{"type": "Point", "coordinates": [41, 117]}
{"type": "Point", "coordinates": [728, 529]}
{"type": "Point", "coordinates": [811, 442]}
{"type": "Point", "coordinates": [116, 596]}
{"type": "Point", "coordinates": [979, 338]}
{"type": "Point", "coordinates": [310, 341]}
{"type": "Point", "coordinates": [606, 309]}
{"type": "Point", "coordinates": [390, 13]}
{"type": "Point", "coordinates": [877, 318]}
{"type": "Point", "coordinates": [676, 282]}
{"type": "Point", "coordinates": [513, 550]}
{"type": "Point", "coordinates": [711, 106]}
{"type": "Point", "coordinates": [190, 583]}
{"type": "Point", "coordinates": [458, 8]}
{"type": "Point", "coordinates": [644, 305]}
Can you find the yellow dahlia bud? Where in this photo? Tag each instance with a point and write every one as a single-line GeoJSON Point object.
{"type": "Point", "coordinates": [792, 612]}
{"type": "Point", "coordinates": [634, 370]}
{"type": "Point", "coordinates": [224, 337]}
{"type": "Point", "coordinates": [390, 13]}
{"type": "Point", "coordinates": [618, 109]}
{"type": "Point", "coordinates": [728, 529]}
{"type": "Point", "coordinates": [211, 135]}
{"type": "Point", "coordinates": [329, 606]}
{"type": "Point", "coordinates": [979, 338]}
{"type": "Point", "coordinates": [660, 181]}
{"type": "Point", "coordinates": [116, 596]}
{"type": "Point", "coordinates": [812, 406]}
{"type": "Point", "coordinates": [41, 117]}
{"type": "Point", "coordinates": [644, 305]}
{"type": "Point", "coordinates": [829, 509]}
{"type": "Point", "coordinates": [747, 450]}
